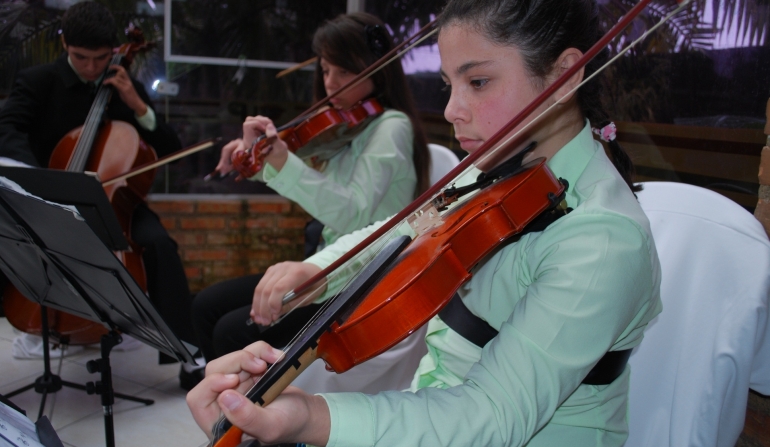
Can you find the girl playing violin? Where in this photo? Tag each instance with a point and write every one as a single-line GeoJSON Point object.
{"type": "Point", "coordinates": [379, 172]}
{"type": "Point", "coordinates": [566, 303]}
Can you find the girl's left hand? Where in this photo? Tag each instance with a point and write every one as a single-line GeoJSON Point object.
{"type": "Point", "coordinates": [278, 152]}
{"type": "Point", "coordinates": [122, 83]}
{"type": "Point", "coordinates": [294, 416]}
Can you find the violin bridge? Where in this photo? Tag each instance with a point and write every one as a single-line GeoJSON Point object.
{"type": "Point", "coordinates": [425, 219]}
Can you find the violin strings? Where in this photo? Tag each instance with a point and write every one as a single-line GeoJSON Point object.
{"type": "Point", "coordinates": [621, 53]}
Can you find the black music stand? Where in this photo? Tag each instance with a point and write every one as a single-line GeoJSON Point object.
{"type": "Point", "coordinates": [52, 256]}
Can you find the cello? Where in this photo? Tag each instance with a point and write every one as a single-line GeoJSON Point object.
{"type": "Point", "coordinates": [108, 148]}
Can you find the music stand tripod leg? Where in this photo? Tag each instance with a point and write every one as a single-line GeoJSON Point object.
{"type": "Point", "coordinates": [104, 386]}
{"type": "Point", "coordinates": [48, 382]}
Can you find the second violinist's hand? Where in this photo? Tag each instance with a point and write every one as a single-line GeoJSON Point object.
{"type": "Point", "coordinates": [225, 165]}
{"type": "Point", "coordinates": [292, 416]}
{"type": "Point", "coordinates": [278, 280]}
{"type": "Point", "coordinates": [255, 126]}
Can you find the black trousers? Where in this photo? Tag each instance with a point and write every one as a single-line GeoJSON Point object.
{"type": "Point", "coordinates": [220, 312]}
{"type": "Point", "coordinates": [166, 280]}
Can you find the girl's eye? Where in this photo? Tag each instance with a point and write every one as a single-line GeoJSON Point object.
{"type": "Point", "coordinates": [446, 88]}
{"type": "Point", "coordinates": [478, 83]}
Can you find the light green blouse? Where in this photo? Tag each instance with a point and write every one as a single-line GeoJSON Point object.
{"type": "Point", "coordinates": [560, 298]}
{"type": "Point", "coordinates": [368, 181]}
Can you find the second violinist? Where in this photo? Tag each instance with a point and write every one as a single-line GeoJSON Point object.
{"type": "Point", "coordinates": [380, 171]}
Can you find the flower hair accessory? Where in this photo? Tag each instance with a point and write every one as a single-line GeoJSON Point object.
{"type": "Point", "coordinates": [606, 133]}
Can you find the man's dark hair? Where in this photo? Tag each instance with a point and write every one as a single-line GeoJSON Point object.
{"type": "Point", "coordinates": [88, 25]}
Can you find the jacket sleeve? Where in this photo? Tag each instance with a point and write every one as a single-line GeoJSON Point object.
{"type": "Point", "coordinates": [163, 139]}
{"type": "Point", "coordinates": [381, 179]}
{"type": "Point", "coordinates": [16, 118]}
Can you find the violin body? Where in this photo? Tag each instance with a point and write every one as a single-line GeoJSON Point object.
{"type": "Point", "coordinates": [435, 264]}
{"type": "Point", "coordinates": [322, 127]}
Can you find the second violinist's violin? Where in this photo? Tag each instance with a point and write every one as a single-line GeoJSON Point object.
{"type": "Point", "coordinates": [322, 127]}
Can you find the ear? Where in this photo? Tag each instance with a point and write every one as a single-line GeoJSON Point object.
{"type": "Point", "coordinates": [567, 60]}
{"type": "Point", "coordinates": [63, 42]}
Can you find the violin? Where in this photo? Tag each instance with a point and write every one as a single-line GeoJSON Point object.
{"type": "Point", "coordinates": [323, 127]}
{"type": "Point", "coordinates": [422, 276]}
{"type": "Point", "coordinates": [107, 148]}
{"type": "Point", "coordinates": [321, 120]}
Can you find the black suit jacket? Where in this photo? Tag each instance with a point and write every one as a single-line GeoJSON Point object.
{"type": "Point", "coordinates": [47, 101]}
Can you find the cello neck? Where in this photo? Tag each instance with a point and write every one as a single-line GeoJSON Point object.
{"type": "Point", "coordinates": [85, 142]}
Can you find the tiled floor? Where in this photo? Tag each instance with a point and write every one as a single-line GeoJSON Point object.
{"type": "Point", "coordinates": [77, 417]}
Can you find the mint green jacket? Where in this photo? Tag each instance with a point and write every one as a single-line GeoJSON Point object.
{"type": "Point", "coordinates": [368, 181]}
{"type": "Point", "coordinates": [560, 298]}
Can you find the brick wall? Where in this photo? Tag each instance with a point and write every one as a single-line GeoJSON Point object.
{"type": "Point", "coordinates": [226, 236]}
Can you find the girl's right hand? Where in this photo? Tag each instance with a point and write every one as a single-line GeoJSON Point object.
{"type": "Point", "coordinates": [278, 280]}
{"type": "Point", "coordinates": [293, 416]}
{"type": "Point", "coordinates": [225, 165]}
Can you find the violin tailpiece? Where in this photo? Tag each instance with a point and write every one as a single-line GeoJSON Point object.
{"type": "Point", "coordinates": [425, 219]}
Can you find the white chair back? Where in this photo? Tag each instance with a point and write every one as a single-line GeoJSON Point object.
{"type": "Point", "coordinates": [442, 160]}
{"type": "Point", "coordinates": [691, 375]}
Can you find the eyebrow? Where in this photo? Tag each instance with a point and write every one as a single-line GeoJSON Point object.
{"type": "Point", "coordinates": [467, 66]}
{"type": "Point", "coordinates": [99, 56]}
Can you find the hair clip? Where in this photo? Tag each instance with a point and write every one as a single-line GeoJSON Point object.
{"type": "Point", "coordinates": [377, 39]}
{"type": "Point", "coordinates": [607, 133]}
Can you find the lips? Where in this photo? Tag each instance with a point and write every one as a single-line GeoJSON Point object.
{"type": "Point", "coordinates": [469, 144]}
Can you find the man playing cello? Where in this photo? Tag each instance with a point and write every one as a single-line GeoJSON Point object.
{"type": "Point", "coordinates": [48, 101]}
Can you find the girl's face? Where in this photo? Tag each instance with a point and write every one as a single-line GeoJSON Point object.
{"type": "Point", "coordinates": [489, 85]}
{"type": "Point", "coordinates": [336, 77]}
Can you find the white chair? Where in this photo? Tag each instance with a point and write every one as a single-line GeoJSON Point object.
{"type": "Point", "coordinates": [394, 369]}
{"type": "Point", "coordinates": [691, 375]}
{"type": "Point", "coordinates": [442, 160]}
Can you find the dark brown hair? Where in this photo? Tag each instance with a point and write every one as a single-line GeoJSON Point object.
{"type": "Point", "coordinates": [354, 42]}
{"type": "Point", "coordinates": [88, 25]}
{"type": "Point", "coordinates": [541, 30]}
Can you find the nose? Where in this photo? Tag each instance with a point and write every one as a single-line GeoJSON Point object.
{"type": "Point", "coordinates": [91, 66]}
{"type": "Point", "coordinates": [331, 82]}
{"type": "Point", "coordinates": [456, 109]}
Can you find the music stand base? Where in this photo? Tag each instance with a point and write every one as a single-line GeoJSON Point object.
{"type": "Point", "coordinates": [50, 383]}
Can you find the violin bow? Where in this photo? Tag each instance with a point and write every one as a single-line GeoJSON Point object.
{"type": "Point", "coordinates": [205, 144]}
{"type": "Point", "coordinates": [491, 143]}
{"type": "Point", "coordinates": [395, 53]}
{"type": "Point", "coordinates": [294, 68]}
